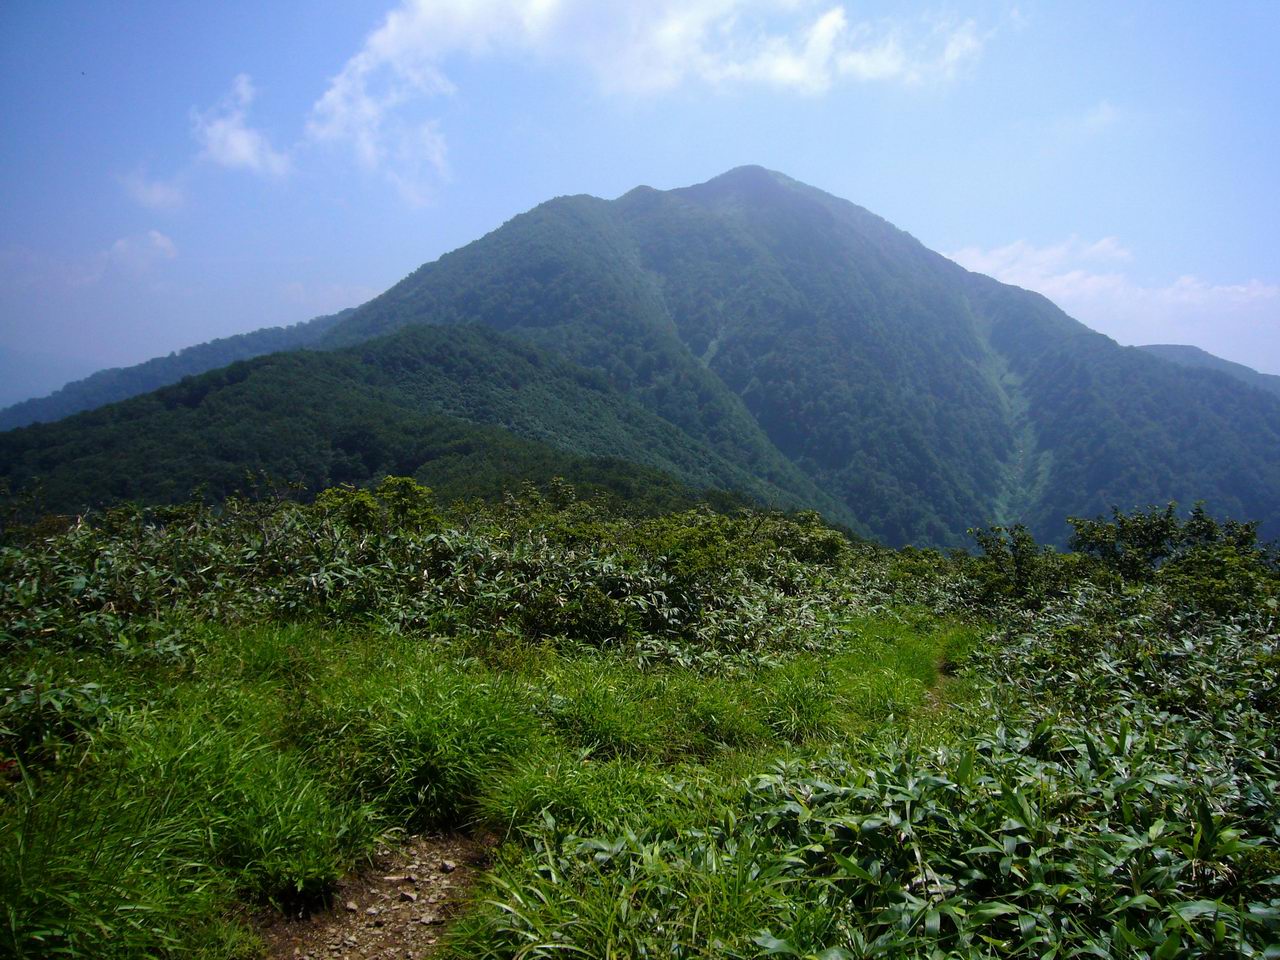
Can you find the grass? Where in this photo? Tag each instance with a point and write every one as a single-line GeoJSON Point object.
{"type": "Point", "coordinates": [1090, 810]}
{"type": "Point", "coordinates": [90, 868]}
{"type": "Point", "coordinates": [728, 751]}
{"type": "Point", "coordinates": [262, 766]}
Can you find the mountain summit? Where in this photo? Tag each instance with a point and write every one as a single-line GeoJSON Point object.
{"type": "Point", "coordinates": [810, 351]}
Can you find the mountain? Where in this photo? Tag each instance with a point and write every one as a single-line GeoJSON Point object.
{"type": "Point", "coordinates": [1190, 356]}
{"type": "Point", "coordinates": [354, 416]}
{"type": "Point", "coordinates": [803, 350]}
{"type": "Point", "coordinates": [120, 383]}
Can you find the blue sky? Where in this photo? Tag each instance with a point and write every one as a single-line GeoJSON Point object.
{"type": "Point", "coordinates": [175, 172]}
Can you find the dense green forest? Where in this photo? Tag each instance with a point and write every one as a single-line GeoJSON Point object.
{"type": "Point", "coordinates": [755, 334]}
{"type": "Point", "coordinates": [110, 386]}
{"type": "Point", "coordinates": [468, 412]}
{"type": "Point", "coordinates": [691, 734]}
{"type": "Point", "coordinates": [1195, 357]}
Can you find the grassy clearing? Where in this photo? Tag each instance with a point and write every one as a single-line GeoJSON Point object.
{"type": "Point", "coordinates": [261, 766]}
{"type": "Point", "coordinates": [695, 736]}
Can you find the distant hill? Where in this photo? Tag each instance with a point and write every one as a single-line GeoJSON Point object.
{"type": "Point", "coordinates": [353, 416]}
{"type": "Point", "coordinates": [120, 383]}
{"type": "Point", "coordinates": [1190, 356]}
{"type": "Point", "coordinates": [757, 333]}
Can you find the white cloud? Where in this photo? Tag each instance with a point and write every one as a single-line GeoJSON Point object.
{"type": "Point", "coordinates": [1099, 117]}
{"type": "Point", "coordinates": [134, 255]}
{"type": "Point", "coordinates": [226, 139]}
{"type": "Point", "coordinates": [1090, 280]}
{"type": "Point", "coordinates": [154, 194]}
{"type": "Point", "coordinates": [1056, 271]}
{"type": "Point", "coordinates": [147, 248]}
{"type": "Point", "coordinates": [130, 258]}
{"type": "Point", "coordinates": [1087, 124]}
{"type": "Point", "coordinates": [378, 103]}
{"type": "Point", "coordinates": [368, 104]}
{"type": "Point", "coordinates": [790, 45]}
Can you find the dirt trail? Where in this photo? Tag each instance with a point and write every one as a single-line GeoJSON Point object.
{"type": "Point", "coordinates": [395, 908]}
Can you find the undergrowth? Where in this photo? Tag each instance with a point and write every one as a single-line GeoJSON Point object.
{"type": "Point", "coordinates": [695, 735]}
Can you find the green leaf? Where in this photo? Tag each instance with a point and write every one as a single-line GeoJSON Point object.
{"type": "Point", "coordinates": [773, 946]}
{"type": "Point", "coordinates": [1189, 910]}
{"type": "Point", "coordinates": [986, 911]}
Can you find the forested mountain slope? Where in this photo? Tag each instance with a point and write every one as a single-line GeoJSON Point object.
{"type": "Point", "coordinates": [467, 411]}
{"type": "Point", "coordinates": [120, 383]}
{"type": "Point", "coordinates": [925, 398]}
{"type": "Point", "coordinates": [800, 341]}
{"type": "Point", "coordinates": [1190, 356]}
{"type": "Point", "coordinates": [1114, 426]}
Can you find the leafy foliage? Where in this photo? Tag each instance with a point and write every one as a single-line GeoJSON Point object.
{"type": "Point", "coordinates": [696, 734]}
{"type": "Point", "coordinates": [1117, 794]}
{"type": "Point", "coordinates": [394, 407]}
{"type": "Point", "coordinates": [388, 664]}
{"type": "Point", "coordinates": [1212, 565]}
{"type": "Point", "coordinates": [694, 588]}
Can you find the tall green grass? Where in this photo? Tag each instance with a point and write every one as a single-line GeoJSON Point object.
{"type": "Point", "coordinates": [695, 735]}
{"type": "Point", "coordinates": [93, 868]}
{"type": "Point", "coordinates": [260, 767]}
{"type": "Point", "coordinates": [1114, 790]}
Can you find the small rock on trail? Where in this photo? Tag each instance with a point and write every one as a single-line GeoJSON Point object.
{"type": "Point", "coordinates": [396, 907]}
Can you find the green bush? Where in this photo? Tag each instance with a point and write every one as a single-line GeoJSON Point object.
{"type": "Point", "coordinates": [215, 709]}
{"type": "Point", "coordinates": [41, 716]}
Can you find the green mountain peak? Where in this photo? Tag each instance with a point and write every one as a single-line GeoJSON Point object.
{"type": "Point", "coordinates": [806, 352]}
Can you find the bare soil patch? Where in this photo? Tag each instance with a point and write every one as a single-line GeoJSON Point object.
{"type": "Point", "coordinates": [397, 907]}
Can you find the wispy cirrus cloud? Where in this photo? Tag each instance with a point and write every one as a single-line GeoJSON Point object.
{"type": "Point", "coordinates": [141, 251]}
{"type": "Point", "coordinates": [380, 103]}
{"type": "Point", "coordinates": [225, 137]}
{"type": "Point", "coordinates": [132, 257]}
{"type": "Point", "coordinates": [1092, 280]}
{"type": "Point", "coordinates": [799, 47]}
{"type": "Point", "coordinates": [1089, 124]}
{"type": "Point", "coordinates": [1066, 269]}
{"type": "Point", "coordinates": [374, 104]}
{"type": "Point", "coordinates": [1101, 116]}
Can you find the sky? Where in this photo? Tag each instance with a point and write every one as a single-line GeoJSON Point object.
{"type": "Point", "coordinates": [174, 172]}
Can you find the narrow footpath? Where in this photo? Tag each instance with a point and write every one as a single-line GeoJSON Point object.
{"type": "Point", "coordinates": [397, 907]}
